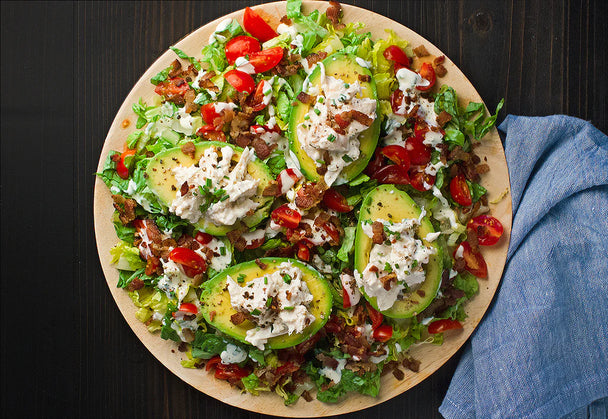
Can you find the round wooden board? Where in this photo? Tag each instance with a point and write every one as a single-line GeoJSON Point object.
{"type": "Point", "coordinates": [432, 357]}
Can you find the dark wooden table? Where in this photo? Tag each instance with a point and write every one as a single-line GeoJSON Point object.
{"type": "Point", "coordinates": [66, 68]}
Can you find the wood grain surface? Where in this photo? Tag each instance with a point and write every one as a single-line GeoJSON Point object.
{"type": "Point", "coordinates": [67, 67]}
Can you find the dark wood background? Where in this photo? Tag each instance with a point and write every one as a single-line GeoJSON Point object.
{"type": "Point", "coordinates": [66, 68]}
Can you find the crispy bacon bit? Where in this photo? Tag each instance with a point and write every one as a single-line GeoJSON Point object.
{"type": "Point", "coordinates": [288, 295]}
{"type": "Point", "coordinates": [305, 98]}
{"type": "Point", "coordinates": [284, 252]}
{"type": "Point", "coordinates": [473, 239]}
{"type": "Point", "coordinates": [262, 149]}
{"type": "Point", "coordinates": [365, 78]}
{"type": "Point", "coordinates": [189, 149]}
{"type": "Point", "coordinates": [439, 60]}
{"type": "Point", "coordinates": [378, 233]}
{"type": "Point", "coordinates": [443, 118]}
{"type": "Point", "coordinates": [115, 157]}
{"type": "Point", "coordinates": [414, 112]}
{"type": "Point", "coordinates": [321, 219]}
{"type": "Point", "coordinates": [197, 280]}
{"type": "Point", "coordinates": [261, 264]}
{"type": "Point", "coordinates": [244, 139]}
{"type": "Point", "coordinates": [125, 123]}
{"type": "Point", "coordinates": [388, 280]}
{"type": "Point", "coordinates": [237, 240]}
{"type": "Point", "coordinates": [136, 284]}
{"type": "Point", "coordinates": [334, 14]}
{"type": "Point", "coordinates": [398, 374]}
{"type": "Point", "coordinates": [321, 170]}
{"type": "Point", "coordinates": [183, 190]}
{"type": "Point", "coordinates": [345, 118]}
{"type": "Point", "coordinates": [459, 265]}
{"type": "Point", "coordinates": [176, 69]}
{"type": "Point", "coordinates": [306, 396]}
{"type": "Point", "coordinates": [190, 106]}
{"type": "Point", "coordinates": [421, 51]}
{"type": "Point", "coordinates": [125, 207]}
{"type": "Point", "coordinates": [327, 361]}
{"type": "Point", "coordinates": [310, 194]}
{"type": "Point", "coordinates": [285, 20]}
{"type": "Point", "coordinates": [239, 317]}
{"type": "Point", "coordinates": [459, 154]}
{"type": "Point", "coordinates": [212, 315]}
{"type": "Point", "coordinates": [315, 57]}
{"type": "Point", "coordinates": [240, 124]}
{"type": "Point", "coordinates": [153, 266]}
{"type": "Point", "coordinates": [411, 364]}
{"type": "Point", "coordinates": [271, 190]}
{"type": "Point", "coordinates": [440, 70]}
{"type": "Point", "coordinates": [421, 293]}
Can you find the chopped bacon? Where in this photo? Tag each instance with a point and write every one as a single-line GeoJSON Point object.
{"type": "Point", "coordinates": [365, 78]}
{"type": "Point", "coordinates": [439, 60]}
{"type": "Point", "coordinates": [183, 190]}
{"type": "Point", "coordinates": [440, 70]}
{"type": "Point", "coordinates": [345, 118]}
{"type": "Point", "coordinates": [378, 233]}
{"type": "Point", "coordinates": [443, 118]}
{"type": "Point", "coordinates": [136, 284]}
{"type": "Point", "coordinates": [305, 98]}
{"type": "Point", "coordinates": [261, 264]}
{"type": "Point", "coordinates": [285, 20]}
{"type": "Point", "coordinates": [284, 252]}
{"type": "Point", "coordinates": [315, 57]}
{"type": "Point", "coordinates": [125, 207]}
{"type": "Point", "coordinates": [271, 190]}
{"type": "Point", "coordinates": [240, 124]}
{"type": "Point", "coordinates": [310, 194]}
{"type": "Point", "coordinates": [321, 219]}
{"type": "Point", "coordinates": [188, 149]}
{"type": "Point", "coordinates": [190, 106]}
{"type": "Point", "coordinates": [237, 239]}
{"type": "Point", "coordinates": [239, 317]}
{"type": "Point", "coordinates": [262, 149]}
{"type": "Point", "coordinates": [327, 361]}
{"type": "Point", "coordinates": [176, 69]}
{"type": "Point", "coordinates": [421, 51]}
{"type": "Point", "coordinates": [388, 280]}
{"type": "Point", "coordinates": [244, 139]}
{"type": "Point", "coordinates": [411, 364]}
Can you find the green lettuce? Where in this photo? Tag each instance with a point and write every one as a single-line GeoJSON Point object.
{"type": "Point", "coordinates": [126, 257]}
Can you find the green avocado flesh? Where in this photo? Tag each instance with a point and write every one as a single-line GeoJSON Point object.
{"type": "Point", "coordinates": [162, 182]}
{"type": "Point", "coordinates": [217, 308]}
{"type": "Point", "coordinates": [344, 67]}
{"type": "Point", "coordinates": [386, 202]}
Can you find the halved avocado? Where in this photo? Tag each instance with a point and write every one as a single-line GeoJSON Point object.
{"type": "Point", "coordinates": [217, 308]}
{"type": "Point", "coordinates": [344, 67]}
{"type": "Point", "coordinates": [161, 181]}
{"type": "Point", "coordinates": [386, 202]}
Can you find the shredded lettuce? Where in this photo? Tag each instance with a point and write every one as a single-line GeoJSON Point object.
{"type": "Point", "coordinates": [348, 244]}
{"type": "Point", "coordinates": [126, 257]}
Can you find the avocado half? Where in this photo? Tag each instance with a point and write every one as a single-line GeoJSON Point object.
{"type": "Point", "coordinates": [161, 181]}
{"type": "Point", "coordinates": [386, 202]}
{"type": "Point", "coordinates": [344, 67]}
{"type": "Point", "coordinates": [217, 309]}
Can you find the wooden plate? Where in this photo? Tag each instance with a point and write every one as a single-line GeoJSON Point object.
{"type": "Point", "coordinates": [432, 357]}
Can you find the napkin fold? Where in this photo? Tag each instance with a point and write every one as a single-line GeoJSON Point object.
{"type": "Point", "coordinates": [542, 349]}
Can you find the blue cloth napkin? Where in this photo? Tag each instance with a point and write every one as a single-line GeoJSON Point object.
{"type": "Point", "coordinates": [542, 349]}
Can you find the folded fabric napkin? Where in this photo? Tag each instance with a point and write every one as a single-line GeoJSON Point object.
{"type": "Point", "coordinates": [542, 349]}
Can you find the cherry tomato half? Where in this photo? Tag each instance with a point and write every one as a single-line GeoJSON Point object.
{"type": "Point", "coordinates": [230, 372]}
{"type": "Point", "coordinates": [398, 155]}
{"type": "Point", "coordinates": [303, 252]}
{"type": "Point", "coordinates": [488, 229]}
{"type": "Point", "coordinates": [421, 181]}
{"type": "Point", "coordinates": [397, 102]}
{"type": "Point", "coordinates": [121, 167]}
{"type": "Point", "coordinates": [335, 200]}
{"type": "Point", "coordinates": [474, 261]}
{"type": "Point", "coordinates": [419, 152]}
{"type": "Point", "coordinates": [383, 333]}
{"type": "Point", "coordinates": [375, 164]}
{"type": "Point", "coordinates": [393, 174]}
{"type": "Point", "coordinates": [256, 101]}
{"type": "Point", "coordinates": [374, 316]}
{"type": "Point", "coordinates": [333, 232]}
{"type": "Point", "coordinates": [396, 54]}
{"type": "Point", "coordinates": [345, 298]}
{"type": "Point", "coordinates": [460, 191]}
{"type": "Point", "coordinates": [241, 46]}
{"type": "Point", "coordinates": [439, 326]}
{"type": "Point", "coordinates": [203, 238]}
{"type": "Point", "coordinates": [255, 243]}
{"type": "Point", "coordinates": [266, 59]}
{"type": "Point", "coordinates": [427, 72]}
{"type": "Point", "coordinates": [286, 217]}
{"type": "Point", "coordinates": [210, 115]}
{"type": "Point", "coordinates": [213, 362]}
{"type": "Point", "coordinates": [240, 80]}
{"type": "Point", "coordinates": [255, 25]}
{"type": "Point", "coordinates": [185, 309]}
{"type": "Point", "coordinates": [172, 87]}
{"type": "Point", "coordinates": [192, 262]}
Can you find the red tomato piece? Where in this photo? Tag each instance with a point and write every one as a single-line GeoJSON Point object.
{"type": "Point", "coordinates": [439, 326]}
{"type": "Point", "coordinates": [420, 128]}
{"type": "Point", "coordinates": [427, 72]}
{"type": "Point", "coordinates": [383, 333]}
{"type": "Point", "coordinates": [210, 115]}
{"type": "Point", "coordinates": [489, 230]}
{"type": "Point", "coordinates": [172, 87]}
{"type": "Point", "coordinates": [121, 167]}
{"type": "Point", "coordinates": [474, 261]}
{"type": "Point", "coordinates": [255, 244]}
{"type": "Point", "coordinates": [230, 372]}
{"type": "Point", "coordinates": [266, 59]}
{"type": "Point", "coordinates": [255, 25]}
{"type": "Point", "coordinates": [422, 181]}
{"type": "Point", "coordinates": [303, 252]}
{"type": "Point", "coordinates": [241, 46]}
{"type": "Point", "coordinates": [396, 54]}
{"type": "Point", "coordinates": [211, 133]}
{"type": "Point", "coordinates": [419, 152]}
{"type": "Point", "coordinates": [374, 316]}
{"type": "Point", "coordinates": [459, 189]}
{"type": "Point", "coordinates": [398, 155]}
{"type": "Point", "coordinates": [203, 238]}
{"type": "Point", "coordinates": [335, 200]}
{"type": "Point", "coordinates": [397, 102]}
{"type": "Point", "coordinates": [286, 368]}
{"type": "Point", "coordinates": [375, 164]}
{"type": "Point", "coordinates": [213, 362]}
{"type": "Point", "coordinates": [192, 262]}
{"type": "Point", "coordinates": [393, 174]}
{"type": "Point", "coordinates": [185, 309]}
{"type": "Point", "coordinates": [333, 232]}
{"type": "Point", "coordinates": [256, 101]}
{"type": "Point", "coordinates": [240, 80]}
{"type": "Point", "coordinates": [286, 217]}
{"type": "Point", "coordinates": [345, 298]}
{"type": "Point", "coordinates": [291, 174]}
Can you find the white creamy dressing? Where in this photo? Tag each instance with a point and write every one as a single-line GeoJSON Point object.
{"type": "Point", "coordinates": [223, 106]}
{"type": "Point", "coordinates": [221, 27]}
{"type": "Point", "coordinates": [243, 64]}
{"type": "Point", "coordinates": [403, 256]}
{"type": "Point", "coordinates": [222, 254]}
{"type": "Point", "coordinates": [233, 354]}
{"type": "Point", "coordinates": [334, 375]}
{"type": "Point", "coordinates": [238, 184]}
{"type": "Point", "coordinates": [174, 280]}
{"type": "Point", "coordinates": [350, 286]}
{"type": "Point", "coordinates": [316, 133]}
{"type": "Point", "coordinates": [363, 63]}
{"type": "Point", "coordinates": [292, 299]}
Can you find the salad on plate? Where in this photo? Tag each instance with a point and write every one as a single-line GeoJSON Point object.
{"type": "Point", "coordinates": [301, 204]}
